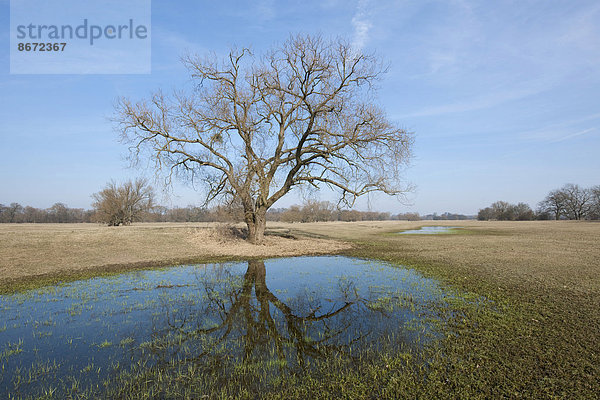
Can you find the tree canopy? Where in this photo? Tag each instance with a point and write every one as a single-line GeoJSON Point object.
{"type": "Point", "coordinates": [251, 128]}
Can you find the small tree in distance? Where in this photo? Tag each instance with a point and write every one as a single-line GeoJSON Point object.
{"type": "Point", "coordinates": [123, 204]}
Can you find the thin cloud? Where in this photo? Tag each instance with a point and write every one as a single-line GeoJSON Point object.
{"type": "Point", "coordinates": [561, 131]}
{"type": "Point", "coordinates": [266, 9]}
{"type": "Point", "coordinates": [469, 48]}
{"type": "Point", "coordinates": [361, 23]}
{"type": "Point", "coordinates": [171, 40]}
{"type": "Point", "coordinates": [572, 135]}
{"type": "Point", "coordinates": [473, 104]}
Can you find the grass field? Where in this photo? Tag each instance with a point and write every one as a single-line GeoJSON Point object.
{"type": "Point", "coordinates": [34, 254]}
{"type": "Point", "coordinates": [536, 336]}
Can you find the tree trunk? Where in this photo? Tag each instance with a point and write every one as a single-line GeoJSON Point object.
{"type": "Point", "coordinates": [256, 222]}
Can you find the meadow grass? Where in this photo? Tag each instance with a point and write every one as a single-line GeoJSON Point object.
{"type": "Point", "coordinates": [524, 322]}
{"type": "Point", "coordinates": [33, 255]}
{"type": "Point", "coordinates": [542, 339]}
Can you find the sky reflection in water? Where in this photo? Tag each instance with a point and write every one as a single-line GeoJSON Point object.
{"type": "Point", "coordinates": [429, 230]}
{"type": "Point", "coordinates": [287, 313]}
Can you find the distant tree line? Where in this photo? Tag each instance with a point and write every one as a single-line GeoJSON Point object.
{"type": "Point", "coordinates": [322, 211]}
{"type": "Point", "coordinates": [569, 202]}
{"type": "Point", "coordinates": [504, 211]}
{"type": "Point", "coordinates": [134, 201]}
{"type": "Point", "coordinates": [58, 213]}
{"type": "Point", "coordinates": [61, 213]}
{"type": "Point", "coordinates": [446, 217]}
{"type": "Point", "coordinates": [221, 213]}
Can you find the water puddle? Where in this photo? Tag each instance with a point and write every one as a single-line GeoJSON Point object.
{"type": "Point", "coordinates": [429, 230]}
{"type": "Point", "coordinates": [282, 314]}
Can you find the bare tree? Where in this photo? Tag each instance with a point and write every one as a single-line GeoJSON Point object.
{"type": "Point", "coordinates": [123, 204]}
{"type": "Point", "coordinates": [59, 213]}
{"type": "Point", "coordinates": [485, 214]}
{"type": "Point", "coordinates": [554, 204]}
{"type": "Point", "coordinates": [350, 216]}
{"type": "Point", "coordinates": [578, 201]}
{"type": "Point", "coordinates": [503, 211]}
{"type": "Point", "coordinates": [12, 213]}
{"type": "Point", "coordinates": [571, 201]}
{"type": "Point", "coordinates": [595, 209]}
{"type": "Point", "coordinates": [523, 212]}
{"type": "Point", "coordinates": [292, 214]}
{"type": "Point", "coordinates": [254, 128]}
{"type": "Point", "coordinates": [317, 211]}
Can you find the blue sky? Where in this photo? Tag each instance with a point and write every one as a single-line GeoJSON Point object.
{"type": "Point", "coordinates": [503, 96]}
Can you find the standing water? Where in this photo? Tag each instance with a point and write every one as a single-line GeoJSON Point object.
{"type": "Point", "coordinates": [282, 315]}
{"type": "Point", "coordinates": [429, 230]}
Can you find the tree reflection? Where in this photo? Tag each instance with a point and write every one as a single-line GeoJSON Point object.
{"type": "Point", "coordinates": [238, 318]}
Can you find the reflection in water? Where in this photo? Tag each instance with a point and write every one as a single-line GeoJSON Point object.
{"type": "Point", "coordinates": [256, 324]}
{"type": "Point", "coordinates": [258, 317]}
{"type": "Point", "coordinates": [429, 230]}
{"type": "Point", "coordinates": [225, 320]}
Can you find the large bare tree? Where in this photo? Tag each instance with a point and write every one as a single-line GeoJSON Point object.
{"type": "Point", "coordinates": [253, 128]}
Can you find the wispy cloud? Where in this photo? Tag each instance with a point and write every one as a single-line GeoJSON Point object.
{"type": "Point", "coordinates": [361, 23]}
{"type": "Point", "coordinates": [445, 46]}
{"type": "Point", "coordinates": [562, 131]}
{"type": "Point", "coordinates": [581, 32]}
{"type": "Point", "coordinates": [171, 40]}
{"type": "Point", "coordinates": [266, 9]}
{"type": "Point", "coordinates": [481, 102]}
{"type": "Point", "coordinates": [572, 135]}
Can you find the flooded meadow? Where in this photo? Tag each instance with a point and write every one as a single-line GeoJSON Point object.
{"type": "Point", "coordinates": [254, 321]}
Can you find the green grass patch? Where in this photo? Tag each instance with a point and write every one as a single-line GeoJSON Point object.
{"type": "Point", "coordinates": [525, 341]}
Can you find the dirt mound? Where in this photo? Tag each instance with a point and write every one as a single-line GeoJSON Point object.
{"type": "Point", "coordinates": [228, 240]}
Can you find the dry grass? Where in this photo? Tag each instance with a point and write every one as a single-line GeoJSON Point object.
{"type": "Point", "coordinates": [559, 254]}
{"type": "Point", "coordinates": [223, 241]}
{"type": "Point", "coordinates": [33, 250]}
